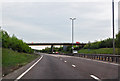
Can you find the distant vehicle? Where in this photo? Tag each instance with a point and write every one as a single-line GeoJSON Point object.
{"type": "Point", "coordinates": [55, 52]}
{"type": "Point", "coordinates": [75, 51]}
{"type": "Point", "coordinates": [77, 42]}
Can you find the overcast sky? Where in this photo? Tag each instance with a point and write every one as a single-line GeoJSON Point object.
{"type": "Point", "coordinates": [49, 21]}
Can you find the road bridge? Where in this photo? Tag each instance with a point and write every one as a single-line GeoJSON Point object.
{"type": "Point", "coordinates": [53, 44]}
{"type": "Point", "coordinates": [34, 44]}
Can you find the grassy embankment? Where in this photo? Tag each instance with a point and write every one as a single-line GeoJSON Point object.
{"type": "Point", "coordinates": [12, 60]}
{"type": "Point", "coordinates": [99, 51]}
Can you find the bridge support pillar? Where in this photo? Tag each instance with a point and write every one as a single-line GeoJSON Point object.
{"type": "Point", "coordinates": [65, 47]}
{"type": "Point", "coordinates": [51, 48]}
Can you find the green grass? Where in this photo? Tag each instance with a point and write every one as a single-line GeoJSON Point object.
{"type": "Point", "coordinates": [99, 51]}
{"type": "Point", "coordinates": [12, 60]}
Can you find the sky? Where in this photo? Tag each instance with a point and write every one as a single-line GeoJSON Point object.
{"type": "Point", "coordinates": [119, 16]}
{"type": "Point", "coordinates": [49, 21]}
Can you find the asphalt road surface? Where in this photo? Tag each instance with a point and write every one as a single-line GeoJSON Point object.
{"type": "Point", "coordinates": [69, 67]}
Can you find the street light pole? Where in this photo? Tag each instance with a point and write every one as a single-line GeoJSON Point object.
{"type": "Point", "coordinates": [113, 26]}
{"type": "Point", "coordinates": [72, 19]}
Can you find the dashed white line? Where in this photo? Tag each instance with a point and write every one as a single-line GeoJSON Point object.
{"type": "Point", "coordinates": [73, 66]}
{"type": "Point", "coordinates": [96, 78]}
{"type": "Point", "coordinates": [65, 61]}
{"type": "Point", "coordinates": [0, 79]}
{"type": "Point", "coordinates": [28, 69]}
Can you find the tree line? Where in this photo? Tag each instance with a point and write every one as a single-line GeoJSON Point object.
{"type": "Point", "coordinates": [59, 49]}
{"type": "Point", "coordinates": [107, 43]}
{"type": "Point", "coordinates": [48, 50]}
{"type": "Point", "coordinates": [14, 43]}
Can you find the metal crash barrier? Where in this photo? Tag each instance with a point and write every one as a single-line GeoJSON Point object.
{"type": "Point", "coordinates": [102, 57]}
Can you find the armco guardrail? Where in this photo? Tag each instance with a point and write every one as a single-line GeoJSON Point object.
{"type": "Point", "coordinates": [103, 57]}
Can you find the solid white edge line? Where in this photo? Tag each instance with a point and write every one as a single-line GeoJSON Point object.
{"type": "Point", "coordinates": [28, 69]}
{"type": "Point", "coordinates": [96, 78]}
{"type": "Point", "coordinates": [65, 61]}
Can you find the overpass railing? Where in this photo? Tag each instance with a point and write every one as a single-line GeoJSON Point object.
{"type": "Point", "coordinates": [102, 57]}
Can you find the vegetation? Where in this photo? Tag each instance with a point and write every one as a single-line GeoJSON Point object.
{"type": "Point", "coordinates": [15, 52]}
{"type": "Point", "coordinates": [59, 49]}
{"type": "Point", "coordinates": [118, 40]}
{"type": "Point", "coordinates": [99, 44]}
{"type": "Point", "coordinates": [99, 51]}
{"type": "Point", "coordinates": [108, 43]}
{"type": "Point", "coordinates": [14, 43]}
{"type": "Point", "coordinates": [0, 38]}
{"type": "Point", "coordinates": [48, 50]}
{"type": "Point", "coordinates": [12, 60]}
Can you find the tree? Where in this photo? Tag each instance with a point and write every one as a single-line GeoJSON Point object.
{"type": "Point", "coordinates": [107, 43]}
{"type": "Point", "coordinates": [14, 43]}
{"type": "Point", "coordinates": [118, 40]}
{"type": "Point", "coordinates": [5, 39]}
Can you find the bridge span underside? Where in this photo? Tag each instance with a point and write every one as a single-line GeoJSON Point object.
{"type": "Point", "coordinates": [54, 44]}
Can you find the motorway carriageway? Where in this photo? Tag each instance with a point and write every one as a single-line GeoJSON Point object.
{"type": "Point", "coordinates": [69, 67]}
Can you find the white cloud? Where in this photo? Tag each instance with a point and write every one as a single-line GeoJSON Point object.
{"type": "Point", "coordinates": [49, 22]}
{"type": "Point", "coordinates": [55, 0]}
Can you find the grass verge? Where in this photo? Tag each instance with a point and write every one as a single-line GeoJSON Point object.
{"type": "Point", "coordinates": [12, 60]}
{"type": "Point", "coordinates": [99, 51]}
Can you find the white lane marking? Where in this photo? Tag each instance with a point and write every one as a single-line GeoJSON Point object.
{"type": "Point", "coordinates": [65, 61]}
{"type": "Point", "coordinates": [96, 78]}
{"type": "Point", "coordinates": [115, 64]}
{"type": "Point", "coordinates": [90, 60]}
{"type": "Point", "coordinates": [106, 62]}
{"type": "Point", "coordinates": [28, 69]}
{"type": "Point", "coordinates": [73, 66]}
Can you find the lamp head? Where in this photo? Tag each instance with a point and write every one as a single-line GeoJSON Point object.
{"type": "Point", "coordinates": [72, 18]}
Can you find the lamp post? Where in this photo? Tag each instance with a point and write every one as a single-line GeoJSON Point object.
{"type": "Point", "coordinates": [113, 26]}
{"type": "Point", "coordinates": [72, 19]}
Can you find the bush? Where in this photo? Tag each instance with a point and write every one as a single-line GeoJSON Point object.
{"type": "Point", "coordinates": [14, 43]}
{"type": "Point", "coordinates": [118, 40]}
{"type": "Point", "coordinates": [99, 44]}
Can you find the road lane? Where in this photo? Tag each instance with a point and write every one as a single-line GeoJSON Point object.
{"type": "Point", "coordinates": [29, 69]}
{"type": "Point", "coordinates": [102, 70]}
{"type": "Point", "coordinates": [53, 68]}
{"type": "Point", "coordinates": [69, 67]}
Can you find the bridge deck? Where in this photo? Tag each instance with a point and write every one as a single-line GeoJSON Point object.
{"type": "Point", "coordinates": [55, 44]}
